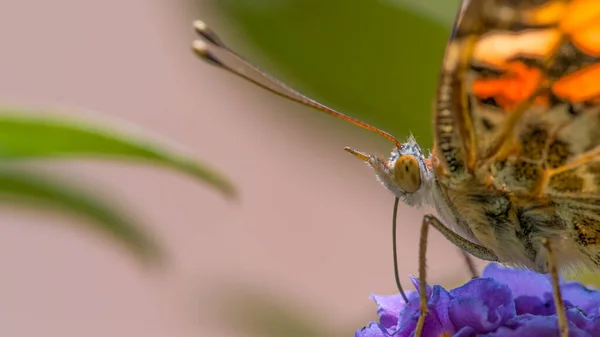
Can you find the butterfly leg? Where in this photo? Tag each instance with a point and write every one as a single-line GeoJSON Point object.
{"type": "Point", "coordinates": [464, 244]}
{"type": "Point", "coordinates": [423, 310]}
{"type": "Point", "coordinates": [559, 304]}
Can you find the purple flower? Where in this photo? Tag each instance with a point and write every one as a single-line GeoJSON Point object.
{"type": "Point", "coordinates": [503, 302]}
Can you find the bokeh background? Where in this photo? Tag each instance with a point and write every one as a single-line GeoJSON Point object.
{"type": "Point", "coordinates": [308, 239]}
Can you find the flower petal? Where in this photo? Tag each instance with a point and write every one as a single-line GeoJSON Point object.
{"type": "Point", "coordinates": [373, 330]}
{"type": "Point", "coordinates": [440, 303]}
{"type": "Point", "coordinates": [505, 302]}
{"type": "Point", "coordinates": [522, 282]}
{"type": "Point", "coordinates": [532, 291]}
{"type": "Point", "coordinates": [389, 308]}
{"type": "Point", "coordinates": [535, 305]}
{"type": "Point", "coordinates": [531, 325]}
{"type": "Point", "coordinates": [578, 295]}
{"type": "Point", "coordinates": [587, 323]}
{"type": "Point", "coordinates": [437, 321]}
{"type": "Point", "coordinates": [409, 316]}
{"type": "Point", "coordinates": [482, 304]}
{"type": "Point", "coordinates": [415, 283]}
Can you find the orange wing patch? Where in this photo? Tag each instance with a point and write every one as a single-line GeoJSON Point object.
{"type": "Point", "coordinates": [517, 84]}
{"type": "Point", "coordinates": [547, 14]}
{"type": "Point", "coordinates": [581, 22]}
{"type": "Point", "coordinates": [581, 86]}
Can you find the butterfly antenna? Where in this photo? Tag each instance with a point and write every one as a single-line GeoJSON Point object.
{"type": "Point", "coordinates": [212, 49]}
{"type": "Point", "coordinates": [395, 250]}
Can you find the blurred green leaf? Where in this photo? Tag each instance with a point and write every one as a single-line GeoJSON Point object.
{"type": "Point", "coordinates": [32, 189]}
{"type": "Point", "coordinates": [25, 135]}
{"type": "Point", "coordinates": [441, 11]}
{"type": "Point", "coordinates": [376, 60]}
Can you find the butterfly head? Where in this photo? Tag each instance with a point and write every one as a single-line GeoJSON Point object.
{"type": "Point", "coordinates": [405, 173]}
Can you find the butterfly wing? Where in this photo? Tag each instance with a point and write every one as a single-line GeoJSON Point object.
{"type": "Point", "coordinates": [518, 107]}
{"type": "Point", "coordinates": [519, 90]}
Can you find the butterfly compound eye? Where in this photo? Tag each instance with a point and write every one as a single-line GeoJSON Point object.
{"type": "Point", "coordinates": [407, 173]}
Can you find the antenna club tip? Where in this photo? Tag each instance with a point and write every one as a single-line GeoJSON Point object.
{"type": "Point", "coordinates": [207, 34]}
{"type": "Point", "coordinates": [200, 47]}
{"type": "Point", "coordinates": [200, 25]}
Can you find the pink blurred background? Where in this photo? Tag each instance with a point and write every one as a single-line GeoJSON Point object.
{"type": "Point", "coordinates": [311, 230]}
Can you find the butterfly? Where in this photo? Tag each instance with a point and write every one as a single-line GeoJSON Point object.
{"type": "Point", "coordinates": [514, 175]}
